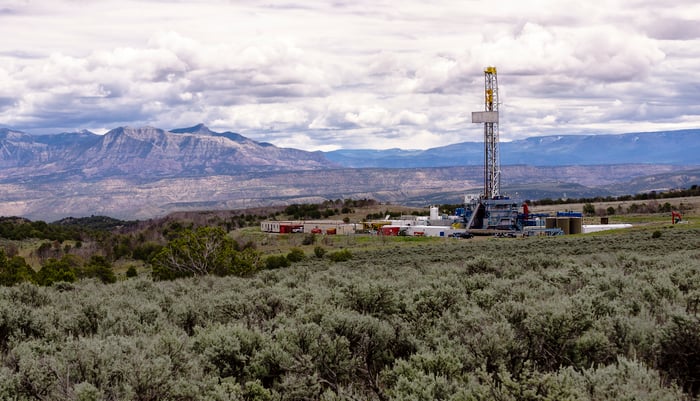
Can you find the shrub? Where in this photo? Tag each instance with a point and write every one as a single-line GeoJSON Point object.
{"type": "Point", "coordinates": [550, 319]}
{"type": "Point", "coordinates": [296, 255]}
{"type": "Point", "coordinates": [131, 272]}
{"type": "Point", "coordinates": [55, 270]}
{"type": "Point", "coordinates": [276, 262]}
{"type": "Point", "coordinates": [319, 251]}
{"type": "Point", "coordinates": [196, 252]}
{"type": "Point", "coordinates": [99, 267]}
{"type": "Point", "coordinates": [228, 349]}
{"type": "Point", "coordinates": [340, 256]}
{"type": "Point", "coordinates": [147, 251]}
{"type": "Point", "coordinates": [309, 239]}
{"type": "Point", "coordinates": [376, 300]}
{"type": "Point", "coordinates": [627, 379]}
{"type": "Point", "coordinates": [679, 352]}
{"type": "Point", "coordinates": [656, 234]}
{"type": "Point", "coordinates": [206, 250]}
{"type": "Point", "coordinates": [245, 262]}
{"type": "Point", "coordinates": [254, 391]}
{"type": "Point", "coordinates": [14, 270]}
{"type": "Point", "coordinates": [480, 265]}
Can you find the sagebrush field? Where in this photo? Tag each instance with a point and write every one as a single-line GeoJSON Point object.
{"type": "Point", "coordinates": [597, 317]}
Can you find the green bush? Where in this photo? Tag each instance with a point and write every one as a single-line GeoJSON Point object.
{"type": "Point", "coordinates": [296, 255]}
{"type": "Point", "coordinates": [276, 262]}
{"type": "Point", "coordinates": [55, 270]}
{"type": "Point", "coordinates": [679, 352]}
{"type": "Point", "coordinates": [340, 256]}
{"type": "Point", "coordinates": [228, 349]}
{"type": "Point", "coordinates": [14, 270]}
{"type": "Point", "coordinates": [99, 267]}
{"type": "Point", "coordinates": [319, 251]}
{"type": "Point", "coordinates": [131, 272]}
{"type": "Point", "coordinates": [245, 262]}
{"type": "Point", "coordinates": [373, 299]}
{"type": "Point", "coordinates": [206, 250]}
{"type": "Point", "coordinates": [145, 252]}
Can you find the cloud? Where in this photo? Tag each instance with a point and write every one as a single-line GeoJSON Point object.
{"type": "Point", "coordinates": [351, 74]}
{"type": "Point", "coordinates": [674, 29]}
{"type": "Point", "coordinates": [272, 117]}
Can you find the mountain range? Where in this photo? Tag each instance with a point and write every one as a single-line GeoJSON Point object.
{"type": "Point", "coordinates": [146, 172]}
{"type": "Point", "coordinates": [667, 147]}
{"type": "Point", "coordinates": [144, 154]}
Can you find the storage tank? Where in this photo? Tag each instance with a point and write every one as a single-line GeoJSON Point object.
{"type": "Point", "coordinates": [550, 222]}
{"type": "Point", "coordinates": [576, 225]}
{"type": "Point", "coordinates": [434, 213]}
{"type": "Point", "coordinates": [563, 223]}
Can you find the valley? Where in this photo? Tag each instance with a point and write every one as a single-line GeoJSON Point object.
{"type": "Point", "coordinates": [126, 198]}
{"type": "Point", "coordinates": [140, 173]}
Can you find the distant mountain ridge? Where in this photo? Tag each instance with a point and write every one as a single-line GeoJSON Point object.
{"type": "Point", "coordinates": [667, 147]}
{"type": "Point", "coordinates": [145, 153]}
{"type": "Point", "coordinates": [149, 152]}
{"type": "Point", "coordinates": [146, 172]}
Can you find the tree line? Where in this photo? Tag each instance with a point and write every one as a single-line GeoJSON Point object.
{"type": "Point", "coordinates": [188, 252]}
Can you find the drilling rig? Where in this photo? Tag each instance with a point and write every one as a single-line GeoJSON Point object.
{"type": "Point", "coordinates": [491, 210]}
{"type": "Point", "coordinates": [489, 117]}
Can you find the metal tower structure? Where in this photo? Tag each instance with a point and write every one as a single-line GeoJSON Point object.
{"type": "Point", "coordinates": [489, 117]}
{"type": "Point", "coordinates": [493, 212]}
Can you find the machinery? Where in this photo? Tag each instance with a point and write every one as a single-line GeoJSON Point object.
{"type": "Point", "coordinates": [676, 217]}
{"type": "Point", "coordinates": [491, 210]}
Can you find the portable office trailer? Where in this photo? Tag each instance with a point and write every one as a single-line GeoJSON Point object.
{"type": "Point", "coordinates": [430, 231]}
{"type": "Point", "coordinates": [329, 227]}
{"type": "Point", "coordinates": [282, 227]}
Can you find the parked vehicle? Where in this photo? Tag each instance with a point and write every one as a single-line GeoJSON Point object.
{"type": "Point", "coordinates": [464, 234]}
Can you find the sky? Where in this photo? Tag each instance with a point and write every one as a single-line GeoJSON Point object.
{"type": "Point", "coordinates": [324, 75]}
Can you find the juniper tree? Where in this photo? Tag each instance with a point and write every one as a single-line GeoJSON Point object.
{"type": "Point", "coordinates": [206, 250]}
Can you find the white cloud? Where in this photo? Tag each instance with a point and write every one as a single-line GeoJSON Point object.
{"type": "Point", "coordinates": [361, 74]}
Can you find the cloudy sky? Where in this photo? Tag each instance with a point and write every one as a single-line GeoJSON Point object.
{"type": "Point", "coordinates": [324, 75]}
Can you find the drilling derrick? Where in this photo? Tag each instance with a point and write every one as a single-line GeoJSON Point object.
{"type": "Point", "coordinates": [492, 161]}
{"type": "Point", "coordinates": [489, 117]}
{"type": "Point", "coordinates": [492, 211]}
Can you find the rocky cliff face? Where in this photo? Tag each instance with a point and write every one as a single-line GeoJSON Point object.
{"type": "Point", "coordinates": [144, 154]}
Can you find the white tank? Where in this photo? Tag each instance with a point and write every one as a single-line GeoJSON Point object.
{"type": "Point", "coordinates": [434, 213]}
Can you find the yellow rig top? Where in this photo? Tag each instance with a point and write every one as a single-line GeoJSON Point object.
{"type": "Point", "coordinates": [490, 70]}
